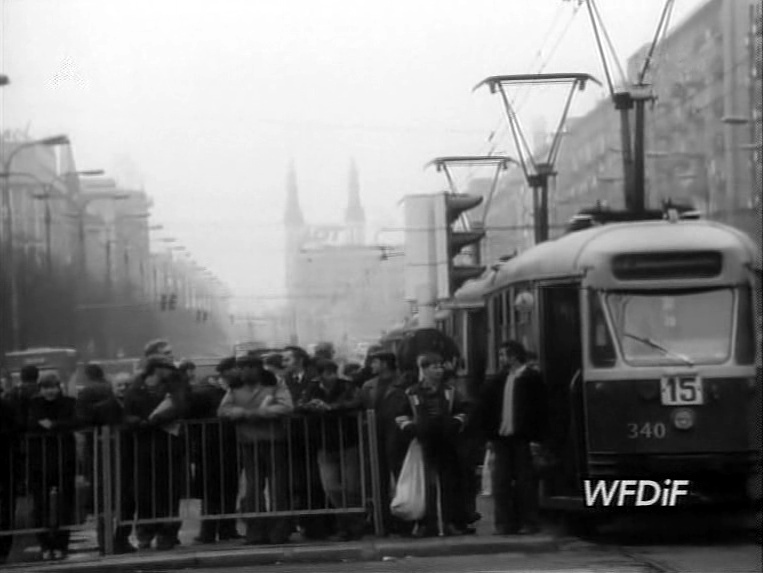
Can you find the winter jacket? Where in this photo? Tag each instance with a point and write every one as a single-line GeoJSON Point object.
{"type": "Point", "coordinates": [258, 411]}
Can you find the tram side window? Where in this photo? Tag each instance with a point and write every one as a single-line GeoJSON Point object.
{"type": "Point", "coordinates": [745, 347]}
{"type": "Point", "coordinates": [602, 348]}
{"type": "Point", "coordinates": [525, 317]}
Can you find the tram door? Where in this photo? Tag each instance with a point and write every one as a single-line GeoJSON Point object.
{"type": "Point", "coordinates": [562, 359]}
{"type": "Point", "coordinates": [476, 350]}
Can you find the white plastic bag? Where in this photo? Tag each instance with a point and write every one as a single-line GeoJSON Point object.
{"type": "Point", "coordinates": [410, 499]}
{"type": "Point", "coordinates": [487, 472]}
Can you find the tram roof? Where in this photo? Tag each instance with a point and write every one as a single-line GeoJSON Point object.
{"type": "Point", "coordinates": [571, 254]}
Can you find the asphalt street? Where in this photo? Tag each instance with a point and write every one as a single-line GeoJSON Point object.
{"type": "Point", "coordinates": [578, 557]}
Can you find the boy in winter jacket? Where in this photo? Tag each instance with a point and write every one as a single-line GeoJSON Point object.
{"type": "Point", "coordinates": [435, 414]}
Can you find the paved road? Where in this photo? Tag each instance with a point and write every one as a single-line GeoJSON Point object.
{"type": "Point", "coordinates": [665, 544]}
{"type": "Point", "coordinates": [577, 558]}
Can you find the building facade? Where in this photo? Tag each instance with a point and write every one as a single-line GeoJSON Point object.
{"type": "Point", "coordinates": [83, 274]}
{"type": "Point", "coordinates": [702, 140]}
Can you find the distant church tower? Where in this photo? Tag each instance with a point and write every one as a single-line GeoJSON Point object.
{"type": "Point", "coordinates": [354, 216]}
{"type": "Point", "coordinates": [295, 227]}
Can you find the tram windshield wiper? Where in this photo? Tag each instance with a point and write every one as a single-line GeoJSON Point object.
{"type": "Point", "coordinates": [657, 346]}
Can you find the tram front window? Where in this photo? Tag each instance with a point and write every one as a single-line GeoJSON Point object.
{"type": "Point", "coordinates": [673, 328]}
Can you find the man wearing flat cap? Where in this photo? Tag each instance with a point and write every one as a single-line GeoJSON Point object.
{"type": "Point", "coordinates": [157, 402]}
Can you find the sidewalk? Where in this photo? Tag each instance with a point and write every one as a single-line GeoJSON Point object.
{"type": "Point", "coordinates": [234, 554]}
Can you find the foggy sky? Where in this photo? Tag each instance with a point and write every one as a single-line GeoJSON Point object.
{"type": "Point", "coordinates": [204, 104]}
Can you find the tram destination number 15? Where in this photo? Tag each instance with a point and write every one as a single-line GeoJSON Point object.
{"type": "Point", "coordinates": [674, 391]}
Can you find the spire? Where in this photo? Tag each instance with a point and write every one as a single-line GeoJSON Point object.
{"type": "Point", "coordinates": [293, 213]}
{"type": "Point", "coordinates": [354, 212]}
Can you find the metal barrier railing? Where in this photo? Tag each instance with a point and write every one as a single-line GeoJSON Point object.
{"type": "Point", "coordinates": [301, 466]}
{"type": "Point", "coordinates": [48, 482]}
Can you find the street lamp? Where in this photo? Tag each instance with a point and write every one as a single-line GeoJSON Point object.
{"type": "Point", "coordinates": [127, 245]}
{"type": "Point", "coordinates": [47, 194]}
{"type": "Point", "coordinates": [8, 209]}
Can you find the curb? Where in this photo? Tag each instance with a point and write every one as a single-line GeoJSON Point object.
{"type": "Point", "coordinates": [374, 550]}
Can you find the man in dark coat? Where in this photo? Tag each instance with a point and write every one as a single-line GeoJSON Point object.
{"type": "Point", "coordinates": [378, 394]}
{"type": "Point", "coordinates": [158, 400]}
{"type": "Point", "coordinates": [213, 453]}
{"type": "Point", "coordinates": [307, 490]}
{"type": "Point", "coordinates": [332, 403]}
{"type": "Point", "coordinates": [20, 396]}
{"type": "Point", "coordinates": [111, 412]}
{"type": "Point", "coordinates": [512, 414]}
{"type": "Point", "coordinates": [95, 390]}
{"type": "Point", "coordinates": [52, 455]}
{"type": "Point", "coordinates": [10, 472]}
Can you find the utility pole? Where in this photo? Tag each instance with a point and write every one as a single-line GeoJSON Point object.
{"type": "Point", "coordinates": [626, 101]}
{"type": "Point", "coordinates": [537, 173]}
{"type": "Point", "coordinates": [7, 204]}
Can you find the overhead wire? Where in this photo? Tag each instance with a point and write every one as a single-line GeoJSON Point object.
{"type": "Point", "coordinates": [602, 55]}
{"type": "Point", "coordinates": [610, 45]}
{"type": "Point", "coordinates": [516, 104]}
{"type": "Point", "coordinates": [660, 48]}
{"type": "Point", "coordinates": [659, 36]}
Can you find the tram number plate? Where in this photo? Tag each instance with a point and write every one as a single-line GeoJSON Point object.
{"type": "Point", "coordinates": [678, 391]}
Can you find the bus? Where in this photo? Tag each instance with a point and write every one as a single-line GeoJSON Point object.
{"type": "Point", "coordinates": [63, 361]}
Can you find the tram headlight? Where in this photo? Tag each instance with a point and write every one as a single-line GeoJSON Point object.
{"type": "Point", "coordinates": [683, 419]}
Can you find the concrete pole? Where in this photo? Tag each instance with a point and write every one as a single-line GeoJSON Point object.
{"type": "Point", "coordinates": [426, 303]}
{"type": "Point", "coordinates": [732, 92]}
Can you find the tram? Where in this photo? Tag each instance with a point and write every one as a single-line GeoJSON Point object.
{"type": "Point", "coordinates": [645, 336]}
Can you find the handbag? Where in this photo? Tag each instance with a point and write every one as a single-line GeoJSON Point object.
{"type": "Point", "coordinates": [409, 503]}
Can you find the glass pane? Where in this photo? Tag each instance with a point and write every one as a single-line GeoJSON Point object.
{"type": "Point", "coordinates": [659, 328]}
{"type": "Point", "coordinates": [602, 348]}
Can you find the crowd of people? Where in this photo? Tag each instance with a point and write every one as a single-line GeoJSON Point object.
{"type": "Point", "coordinates": [276, 432]}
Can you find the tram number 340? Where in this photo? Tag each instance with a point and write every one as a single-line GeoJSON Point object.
{"type": "Point", "coordinates": [646, 430]}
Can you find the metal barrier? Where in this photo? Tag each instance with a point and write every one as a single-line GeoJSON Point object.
{"type": "Point", "coordinates": [267, 473]}
{"type": "Point", "coordinates": [47, 484]}
{"type": "Point", "coordinates": [297, 467]}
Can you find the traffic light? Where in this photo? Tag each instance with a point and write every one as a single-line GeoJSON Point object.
{"type": "Point", "coordinates": [454, 234]}
{"type": "Point", "coordinates": [163, 302]}
{"type": "Point", "coordinates": [173, 301]}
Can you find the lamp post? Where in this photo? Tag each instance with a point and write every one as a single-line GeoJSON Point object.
{"type": "Point", "coordinates": [127, 244]}
{"type": "Point", "coordinates": [82, 201]}
{"type": "Point", "coordinates": [8, 212]}
{"type": "Point", "coordinates": [47, 194]}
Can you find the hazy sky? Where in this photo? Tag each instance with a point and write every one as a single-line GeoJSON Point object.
{"type": "Point", "coordinates": [206, 103]}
